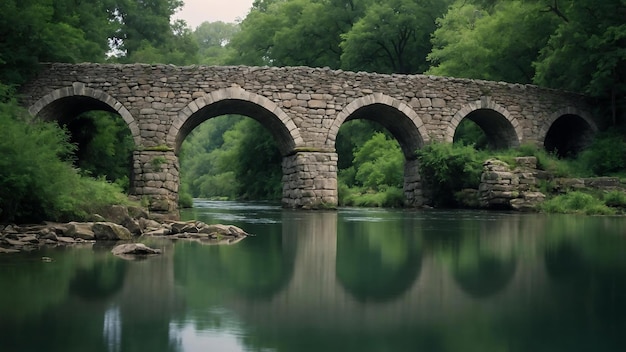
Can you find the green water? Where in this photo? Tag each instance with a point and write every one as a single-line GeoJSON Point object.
{"type": "Point", "coordinates": [352, 280]}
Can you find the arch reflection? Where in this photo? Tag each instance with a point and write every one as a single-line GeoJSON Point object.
{"type": "Point", "coordinates": [376, 262]}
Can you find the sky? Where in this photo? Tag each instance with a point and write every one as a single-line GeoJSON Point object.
{"type": "Point", "coordinates": [197, 11]}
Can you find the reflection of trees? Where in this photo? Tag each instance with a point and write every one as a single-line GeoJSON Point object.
{"type": "Point", "coordinates": [483, 274]}
{"type": "Point", "coordinates": [59, 305]}
{"type": "Point", "coordinates": [590, 283]}
{"type": "Point", "coordinates": [256, 268]}
{"type": "Point", "coordinates": [480, 250]}
{"type": "Point", "coordinates": [100, 281]}
{"type": "Point", "coordinates": [18, 299]}
{"type": "Point", "coordinates": [260, 268]}
{"type": "Point", "coordinates": [377, 262]}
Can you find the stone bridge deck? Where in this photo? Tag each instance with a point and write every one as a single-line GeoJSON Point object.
{"type": "Point", "coordinates": [303, 108]}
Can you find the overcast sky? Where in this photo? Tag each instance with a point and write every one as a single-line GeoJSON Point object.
{"type": "Point", "coordinates": [197, 11]}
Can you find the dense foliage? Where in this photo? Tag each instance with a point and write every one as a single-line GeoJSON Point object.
{"type": "Point", "coordinates": [231, 157]}
{"type": "Point", "coordinates": [104, 146]}
{"type": "Point", "coordinates": [450, 168]}
{"type": "Point", "coordinates": [35, 184]}
{"type": "Point", "coordinates": [376, 175]}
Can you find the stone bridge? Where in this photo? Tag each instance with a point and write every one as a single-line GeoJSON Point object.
{"type": "Point", "coordinates": [303, 108]}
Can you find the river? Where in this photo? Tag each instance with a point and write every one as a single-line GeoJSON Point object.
{"type": "Point", "coordinates": [347, 280]}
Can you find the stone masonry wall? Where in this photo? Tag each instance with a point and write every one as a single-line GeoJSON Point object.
{"type": "Point", "coordinates": [509, 188]}
{"type": "Point", "coordinates": [313, 98]}
{"type": "Point", "coordinates": [156, 176]}
{"type": "Point", "coordinates": [310, 180]}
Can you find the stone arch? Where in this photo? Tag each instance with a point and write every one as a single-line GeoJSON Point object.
{"type": "Point", "coordinates": [235, 100]}
{"type": "Point", "coordinates": [567, 131]}
{"type": "Point", "coordinates": [78, 98]}
{"type": "Point", "coordinates": [502, 129]}
{"type": "Point", "coordinates": [402, 122]}
{"type": "Point", "coordinates": [406, 126]}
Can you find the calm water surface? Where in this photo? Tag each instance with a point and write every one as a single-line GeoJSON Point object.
{"type": "Point", "coordinates": [352, 280]}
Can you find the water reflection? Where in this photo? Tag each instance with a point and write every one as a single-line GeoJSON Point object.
{"type": "Point", "coordinates": [112, 331]}
{"type": "Point", "coordinates": [377, 260]}
{"type": "Point", "coordinates": [365, 280]}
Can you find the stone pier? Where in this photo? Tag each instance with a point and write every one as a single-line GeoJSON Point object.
{"type": "Point", "coordinates": [310, 180]}
{"type": "Point", "coordinates": [156, 178]}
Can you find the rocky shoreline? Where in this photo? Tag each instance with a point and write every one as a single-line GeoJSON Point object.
{"type": "Point", "coordinates": [126, 224]}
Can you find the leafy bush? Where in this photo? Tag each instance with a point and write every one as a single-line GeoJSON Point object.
{"type": "Point", "coordinates": [375, 176]}
{"type": "Point", "coordinates": [576, 203]}
{"type": "Point", "coordinates": [391, 197]}
{"type": "Point", "coordinates": [104, 146]}
{"type": "Point", "coordinates": [615, 199]}
{"type": "Point", "coordinates": [545, 161]}
{"type": "Point", "coordinates": [469, 133]}
{"type": "Point", "coordinates": [448, 168]}
{"type": "Point", "coordinates": [379, 163]}
{"type": "Point", "coordinates": [185, 199]}
{"type": "Point", "coordinates": [35, 184]}
{"type": "Point", "coordinates": [605, 155]}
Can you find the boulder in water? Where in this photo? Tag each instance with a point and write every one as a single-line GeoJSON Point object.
{"type": "Point", "coordinates": [133, 251]}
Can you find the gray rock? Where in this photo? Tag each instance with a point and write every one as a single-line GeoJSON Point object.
{"type": "Point", "coordinates": [158, 232]}
{"type": "Point", "coordinates": [184, 227]}
{"type": "Point", "coordinates": [82, 230]}
{"type": "Point", "coordinates": [15, 243]}
{"type": "Point", "coordinates": [115, 213]}
{"type": "Point", "coordinates": [528, 201]}
{"type": "Point", "coordinates": [137, 212]}
{"type": "Point", "coordinates": [132, 225]}
{"type": "Point", "coordinates": [149, 224]}
{"type": "Point", "coordinates": [110, 231]}
{"type": "Point", "coordinates": [132, 251]}
{"type": "Point", "coordinates": [28, 238]}
{"type": "Point", "coordinates": [66, 240]}
{"type": "Point", "coordinates": [223, 230]}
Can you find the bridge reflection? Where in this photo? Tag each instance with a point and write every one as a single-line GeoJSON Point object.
{"type": "Point", "coordinates": [384, 276]}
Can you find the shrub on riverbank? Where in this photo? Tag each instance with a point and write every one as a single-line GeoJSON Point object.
{"type": "Point", "coordinates": [37, 180]}
{"type": "Point", "coordinates": [576, 203]}
{"type": "Point", "coordinates": [390, 197]}
{"type": "Point", "coordinates": [448, 168]}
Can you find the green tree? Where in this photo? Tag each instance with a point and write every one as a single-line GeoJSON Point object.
{"type": "Point", "coordinates": [142, 22]}
{"type": "Point", "coordinates": [233, 158]}
{"type": "Point", "coordinates": [179, 48]}
{"type": "Point", "coordinates": [448, 168]}
{"type": "Point", "coordinates": [44, 30]}
{"type": "Point", "coordinates": [294, 32]}
{"type": "Point", "coordinates": [392, 37]}
{"type": "Point", "coordinates": [500, 42]}
{"type": "Point", "coordinates": [587, 52]}
{"type": "Point", "coordinates": [202, 172]}
{"type": "Point", "coordinates": [104, 146]}
{"type": "Point", "coordinates": [258, 162]}
{"type": "Point", "coordinates": [212, 39]}
{"type": "Point", "coordinates": [379, 163]}
{"type": "Point", "coordinates": [352, 135]}
{"type": "Point", "coordinates": [35, 184]}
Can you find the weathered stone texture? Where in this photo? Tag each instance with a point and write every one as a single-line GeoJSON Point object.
{"type": "Point", "coordinates": [310, 180]}
{"type": "Point", "coordinates": [504, 187]}
{"type": "Point", "coordinates": [302, 107]}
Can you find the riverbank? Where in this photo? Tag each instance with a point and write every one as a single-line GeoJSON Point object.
{"type": "Point", "coordinates": [118, 225]}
